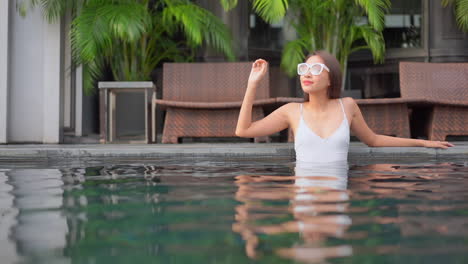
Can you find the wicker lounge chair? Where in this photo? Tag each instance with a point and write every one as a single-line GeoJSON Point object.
{"type": "Point", "coordinates": [443, 87]}
{"type": "Point", "coordinates": [387, 116]}
{"type": "Point", "coordinates": [203, 99]}
{"type": "Point", "coordinates": [440, 87]}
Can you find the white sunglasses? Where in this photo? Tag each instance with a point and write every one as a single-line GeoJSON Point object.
{"type": "Point", "coordinates": [315, 68]}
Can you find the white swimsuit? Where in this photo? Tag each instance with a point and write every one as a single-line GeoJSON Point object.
{"type": "Point", "coordinates": [310, 148]}
{"type": "Point", "coordinates": [316, 156]}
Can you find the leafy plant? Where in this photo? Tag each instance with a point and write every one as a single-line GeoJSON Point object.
{"type": "Point", "coordinates": [133, 36]}
{"type": "Point", "coordinates": [331, 25]}
{"type": "Point", "coordinates": [461, 12]}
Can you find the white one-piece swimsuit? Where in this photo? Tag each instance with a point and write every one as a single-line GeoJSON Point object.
{"type": "Point", "coordinates": [317, 156]}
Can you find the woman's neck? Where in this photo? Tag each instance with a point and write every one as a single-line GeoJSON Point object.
{"type": "Point", "coordinates": [318, 102]}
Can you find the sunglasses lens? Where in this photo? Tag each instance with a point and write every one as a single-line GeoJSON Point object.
{"type": "Point", "coordinates": [302, 69]}
{"type": "Point", "coordinates": [316, 69]}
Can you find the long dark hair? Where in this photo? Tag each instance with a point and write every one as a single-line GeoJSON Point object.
{"type": "Point", "coordinates": [334, 91]}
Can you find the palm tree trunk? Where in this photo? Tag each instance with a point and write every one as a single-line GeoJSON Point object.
{"type": "Point", "coordinates": [345, 73]}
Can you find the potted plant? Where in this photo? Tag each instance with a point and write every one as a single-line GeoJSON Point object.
{"type": "Point", "coordinates": [132, 37]}
{"type": "Point", "coordinates": [330, 25]}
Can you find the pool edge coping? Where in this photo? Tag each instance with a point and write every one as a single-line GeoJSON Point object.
{"type": "Point", "coordinates": [219, 150]}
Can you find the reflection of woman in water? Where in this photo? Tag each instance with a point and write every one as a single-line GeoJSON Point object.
{"type": "Point", "coordinates": [321, 126]}
{"type": "Point", "coordinates": [322, 123]}
{"type": "Point", "coordinates": [317, 208]}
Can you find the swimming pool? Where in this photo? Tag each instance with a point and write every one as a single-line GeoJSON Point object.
{"type": "Point", "coordinates": [231, 211]}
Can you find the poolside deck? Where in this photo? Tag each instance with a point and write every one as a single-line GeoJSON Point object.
{"type": "Point", "coordinates": [218, 150]}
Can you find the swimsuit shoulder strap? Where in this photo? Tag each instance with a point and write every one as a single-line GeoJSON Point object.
{"type": "Point", "coordinates": [342, 107]}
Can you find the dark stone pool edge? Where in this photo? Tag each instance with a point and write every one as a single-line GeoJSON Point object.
{"type": "Point", "coordinates": [357, 150]}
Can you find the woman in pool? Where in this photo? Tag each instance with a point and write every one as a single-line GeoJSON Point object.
{"type": "Point", "coordinates": [322, 123]}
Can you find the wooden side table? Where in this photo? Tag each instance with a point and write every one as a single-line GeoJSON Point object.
{"type": "Point", "coordinates": [107, 109]}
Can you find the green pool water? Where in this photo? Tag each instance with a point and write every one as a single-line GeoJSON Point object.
{"type": "Point", "coordinates": [231, 211]}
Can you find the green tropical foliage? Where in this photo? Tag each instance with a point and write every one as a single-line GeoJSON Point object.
{"type": "Point", "coordinates": [133, 36]}
{"type": "Point", "coordinates": [330, 25]}
{"type": "Point", "coordinates": [461, 12]}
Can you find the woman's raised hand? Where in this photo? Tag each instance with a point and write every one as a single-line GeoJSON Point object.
{"type": "Point", "coordinates": [259, 69]}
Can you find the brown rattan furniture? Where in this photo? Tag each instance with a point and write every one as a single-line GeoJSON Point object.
{"type": "Point", "coordinates": [443, 87]}
{"type": "Point", "coordinates": [203, 99]}
{"type": "Point", "coordinates": [386, 116]}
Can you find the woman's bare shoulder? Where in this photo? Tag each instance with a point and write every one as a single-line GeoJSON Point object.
{"type": "Point", "coordinates": [348, 101]}
{"type": "Point", "coordinates": [290, 109]}
{"type": "Point", "coordinates": [292, 105]}
{"type": "Point", "coordinates": [350, 105]}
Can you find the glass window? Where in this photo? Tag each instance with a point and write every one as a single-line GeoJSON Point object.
{"type": "Point", "coordinates": [403, 24]}
{"type": "Point", "coordinates": [265, 36]}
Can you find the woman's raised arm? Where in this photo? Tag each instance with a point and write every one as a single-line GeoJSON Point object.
{"type": "Point", "coordinates": [275, 122]}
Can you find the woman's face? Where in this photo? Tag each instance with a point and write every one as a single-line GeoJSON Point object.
{"type": "Point", "coordinates": [315, 83]}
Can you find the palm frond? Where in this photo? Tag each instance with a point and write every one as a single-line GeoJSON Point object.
{"type": "Point", "coordinates": [92, 71]}
{"type": "Point", "coordinates": [270, 10]}
{"type": "Point", "coordinates": [375, 10]}
{"type": "Point", "coordinates": [199, 25]}
{"type": "Point", "coordinates": [94, 30]}
{"type": "Point", "coordinates": [54, 9]}
{"type": "Point", "coordinates": [447, 2]}
{"type": "Point", "coordinates": [294, 52]}
{"type": "Point", "coordinates": [100, 27]}
{"type": "Point", "coordinates": [330, 25]}
{"type": "Point", "coordinates": [375, 42]}
{"type": "Point", "coordinates": [461, 12]}
{"type": "Point", "coordinates": [228, 4]}
{"type": "Point", "coordinates": [179, 16]}
{"type": "Point", "coordinates": [127, 21]}
{"type": "Point", "coordinates": [51, 10]}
